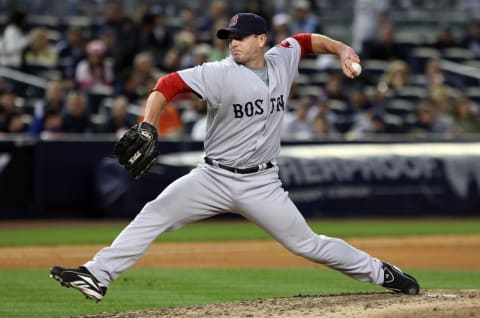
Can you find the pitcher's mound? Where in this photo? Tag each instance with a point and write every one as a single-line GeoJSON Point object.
{"type": "Point", "coordinates": [429, 304]}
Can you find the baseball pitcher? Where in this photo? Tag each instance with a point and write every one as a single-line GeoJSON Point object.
{"type": "Point", "coordinates": [246, 95]}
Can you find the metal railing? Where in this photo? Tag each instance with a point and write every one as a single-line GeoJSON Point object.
{"type": "Point", "coordinates": [22, 77]}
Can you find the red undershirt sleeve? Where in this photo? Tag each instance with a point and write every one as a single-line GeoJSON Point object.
{"type": "Point", "coordinates": [305, 41]}
{"type": "Point", "coordinates": [171, 85]}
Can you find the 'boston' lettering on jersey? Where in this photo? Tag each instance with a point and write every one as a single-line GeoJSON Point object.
{"type": "Point", "coordinates": [277, 103]}
{"type": "Point", "coordinates": [256, 108]}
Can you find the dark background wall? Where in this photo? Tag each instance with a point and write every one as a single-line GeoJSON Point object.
{"type": "Point", "coordinates": [80, 179]}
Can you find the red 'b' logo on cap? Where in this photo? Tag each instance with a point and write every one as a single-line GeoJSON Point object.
{"type": "Point", "coordinates": [233, 21]}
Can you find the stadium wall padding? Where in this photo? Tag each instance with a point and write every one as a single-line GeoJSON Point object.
{"type": "Point", "coordinates": [80, 178]}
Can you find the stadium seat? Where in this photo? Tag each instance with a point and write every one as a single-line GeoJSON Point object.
{"type": "Point", "coordinates": [457, 54]}
{"type": "Point", "coordinates": [411, 93]}
{"type": "Point", "coordinates": [399, 115]}
{"type": "Point", "coordinates": [310, 90]}
{"type": "Point", "coordinates": [473, 93]}
{"type": "Point", "coordinates": [308, 66]}
{"type": "Point", "coordinates": [319, 79]}
{"type": "Point", "coordinates": [372, 70]}
{"type": "Point", "coordinates": [303, 80]}
{"type": "Point", "coordinates": [400, 107]}
{"type": "Point", "coordinates": [419, 57]}
{"type": "Point", "coordinates": [394, 123]}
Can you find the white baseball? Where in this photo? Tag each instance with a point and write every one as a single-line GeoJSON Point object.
{"type": "Point", "coordinates": [357, 68]}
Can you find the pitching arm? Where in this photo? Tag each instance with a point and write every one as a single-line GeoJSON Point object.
{"type": "Point", "coordinates": [166, 88]}
{"type": "Point", "coordinates": [322, 44]}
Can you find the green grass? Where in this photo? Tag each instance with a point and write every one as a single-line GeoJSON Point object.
{"type": "Point", "coordinates": [30, 293]}
{"type": "Point", "coordinates": [227, 231]}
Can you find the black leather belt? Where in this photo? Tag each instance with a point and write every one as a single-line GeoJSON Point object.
{"type": "Point", "coordinates": [268, 165]}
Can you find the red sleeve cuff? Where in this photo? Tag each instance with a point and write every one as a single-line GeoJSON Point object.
{"type": "Point", "coordinates": [305, 41]}
{"type": "Point", "coordinates": [171, 85]}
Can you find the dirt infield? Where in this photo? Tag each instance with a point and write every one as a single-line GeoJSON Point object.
{"type": "Point", "coordinates": [435, 252]}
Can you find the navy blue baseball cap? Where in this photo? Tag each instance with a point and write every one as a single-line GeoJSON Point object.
{"type": "Point", "coordinates": [244, 24]}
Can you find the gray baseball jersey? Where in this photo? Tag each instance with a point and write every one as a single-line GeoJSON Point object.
{"type": "Point", "coordinates": [245, 115]}
{"type": "Point", "coordinates": [244, 125]}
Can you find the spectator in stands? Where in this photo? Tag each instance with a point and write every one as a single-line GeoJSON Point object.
{"type": "Point", "coordinates": [39, 57]}
{"type": "Point", "coordinates": [119, 119]}
{"type": "Point", "coordinates": [281, 28]}
{"type": "Point", "coordinates": [465, 116]}
{"type": "Point", "coordinates": [95, 73]}
{"type": "Point", "coordinates": [108, 38]}
{"type": "Point", "coordinates": [76, 118]}
{"type": "Point", "coordinates": [369, 16]}
{"type": "Point", "coordinates": [154, 34]}
{"type": "Point", "coordinates": [217, 14]}
{"type": "Point", "coordinates": [445, 38]}
{"type": "Point", "coordinates": [8, 100]}
{"type": "Point", "coordinates": [334, 88]}
{"type": "Point", "coordinates": [50, 122]}
{"type": "Point", "coordinates": [147, 72]}
{"type": "Point", "coordinates": [303, 19]}
{"type": "Point", "coordinates": [70, 50]}
{"type": "Point", "coordinates": [471, 40]}
{"type": "Point", "coordinates": [54, 99]}
{"type": "Point", "coordinates": [433, 74]}
{"type": "Point", "coordinates": [359, 100]}
{"type": "Point", "coordinates": [53, 122]}
{"type": "Point", "coordinates": [185, 42]}
{"type": "Point", "coordinates": [171, 61]}
{"type": "Point", "coordinates": [435, 82]}
{"type": "Point", "coordinates": [318, 105]}
{"type": "Point", "coordinates": [322, 129]}
{"type": "Point", "coordinates": [396, 77]}
{"type": "Point", "coordinates": [189, 20]}
{"type": "Point", "coordinates": [141, 10]}
{"type": "Point", "coordinates": [430, 120]}
{"type": "Point", "coordinates": [128, 86]}
{"type": "Point", "coordinates": [137, 82]}
{"type": "Point", "coordinates": [3, 86]}
{"type": "Point", "coordinates": [199, 128]}
{"type": "Point", "coordinates": [13, 40]}
{"type": "Point", "coordinates": [7, 104]}
{"type": "Point", "coordinates": [145, 30]}
{"type": "Point", "coordinates": [365, 124]}
{"type": "Point", "coordinates": [261, 8]}
{"type": "Point", "coordinates": [299, 128]}
{"type": "Point", "coordinates": [369, 111]}
{"type": "Point", "coordinates": [384, 46]}
{"type": "Point", "coordinates": [125, 33]}
{"type": "Point", "coordinates": [219, 49]}
{"type": "Point", "coordinates": [378, 98]}
{"type": "Point", "coordinates": [14, 121]}
{"type": "Point", "coordinates": [201, 52]}
{"type": "Point", "coordinates": [366, 119]}
{"type": "Point", "coordinates": [144, 65]}
{"type": "Point", "coordinates": [442, 96]}
{"type": "Point", "coordinates": [170, 122]}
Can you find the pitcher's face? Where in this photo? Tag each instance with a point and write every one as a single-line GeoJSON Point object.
{"type": "Point", "coordinates": [247, 49]}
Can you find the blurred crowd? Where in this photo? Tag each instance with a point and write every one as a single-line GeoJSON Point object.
{"type": "Point", "coordinates": [97, 77]}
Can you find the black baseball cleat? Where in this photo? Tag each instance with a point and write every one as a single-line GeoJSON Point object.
{"type": "Point", "coordinates": [398, 281]}
{"type": "Point", "coordinates": [79, 278]}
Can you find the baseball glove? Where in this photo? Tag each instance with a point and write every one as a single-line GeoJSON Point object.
{"type": "Point", "coordinates": [137, 149]}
